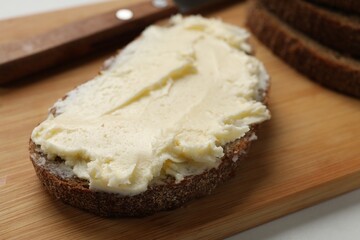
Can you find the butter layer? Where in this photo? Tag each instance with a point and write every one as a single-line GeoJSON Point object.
{"type": "Point", "coordinates": [168, 104]}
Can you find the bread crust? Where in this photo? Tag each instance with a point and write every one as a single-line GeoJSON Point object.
{"type": "Point", "coordinates": [345, 5]}
{"type": "Point", "coordinates": [158, 197]}
{"type": "Point", "coordinates": [319, 63]}
{"type": "Point", "coordinates": [329, 27]}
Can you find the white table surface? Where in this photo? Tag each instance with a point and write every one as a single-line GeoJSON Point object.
{"type": "Point", "coordinates": [338, 218]}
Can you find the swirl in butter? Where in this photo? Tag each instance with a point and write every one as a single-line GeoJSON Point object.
{"type": "Point", "coordinates": [167, 104]}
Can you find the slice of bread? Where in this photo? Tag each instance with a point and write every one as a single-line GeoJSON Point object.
{"type": "Point", "coordinates": [331, 28]}
{"type": "Point", "coordinates": [318, 62]}
{"type": "Point", "coordinates": [164, 192]}
{"type": "Point", "coordinates": [346, 5]}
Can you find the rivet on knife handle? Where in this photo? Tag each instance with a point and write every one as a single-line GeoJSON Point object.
{"type": "Point", "coordinates": [124, 14]}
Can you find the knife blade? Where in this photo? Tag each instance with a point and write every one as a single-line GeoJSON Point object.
{"type": "Point", "coordinates": [32, 55]}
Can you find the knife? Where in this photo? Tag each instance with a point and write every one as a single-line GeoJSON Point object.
{"type": "Point", "coordinates": [26, 57]}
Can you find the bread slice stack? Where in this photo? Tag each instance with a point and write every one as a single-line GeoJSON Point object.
{"type": "Point", "coordinates": [319, 38]}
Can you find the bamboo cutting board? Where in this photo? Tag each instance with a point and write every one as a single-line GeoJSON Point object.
{"type": "Point", "coordinates": [308, 152]}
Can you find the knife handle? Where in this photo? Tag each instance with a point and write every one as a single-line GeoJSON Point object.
{"type": "Point", "coordinates": [28, 56]}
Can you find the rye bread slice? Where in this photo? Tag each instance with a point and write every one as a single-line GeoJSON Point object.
{"type": "Point", "coordinates": [314, 60]}
{"type": "Point", "coordinates": [331, 28]}
{"type": "Point", "coordinates": [162, 194]}
{"type": "Point", "coordinates": [346, 5]}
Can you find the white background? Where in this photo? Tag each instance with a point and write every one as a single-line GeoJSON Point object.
{"type": "Point", "coordinates": [335, 219]}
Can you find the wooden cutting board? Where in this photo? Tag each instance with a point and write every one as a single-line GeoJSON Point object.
{"type": "Point", "coordinates": [308, 152]}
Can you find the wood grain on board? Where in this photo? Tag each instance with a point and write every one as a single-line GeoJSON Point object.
{"type": "Point", "coordinates": [308, 152]}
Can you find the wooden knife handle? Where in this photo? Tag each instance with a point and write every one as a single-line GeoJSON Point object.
{"type": "Point", "coordinates": [22, 58]}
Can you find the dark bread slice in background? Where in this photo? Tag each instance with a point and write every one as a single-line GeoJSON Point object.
{"type": "Point", "coordinates": [318, 62]}
{"type": "Point", "coordinates": [331, 28]}
{"type": "Point", "coordinates": [346, 5]}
